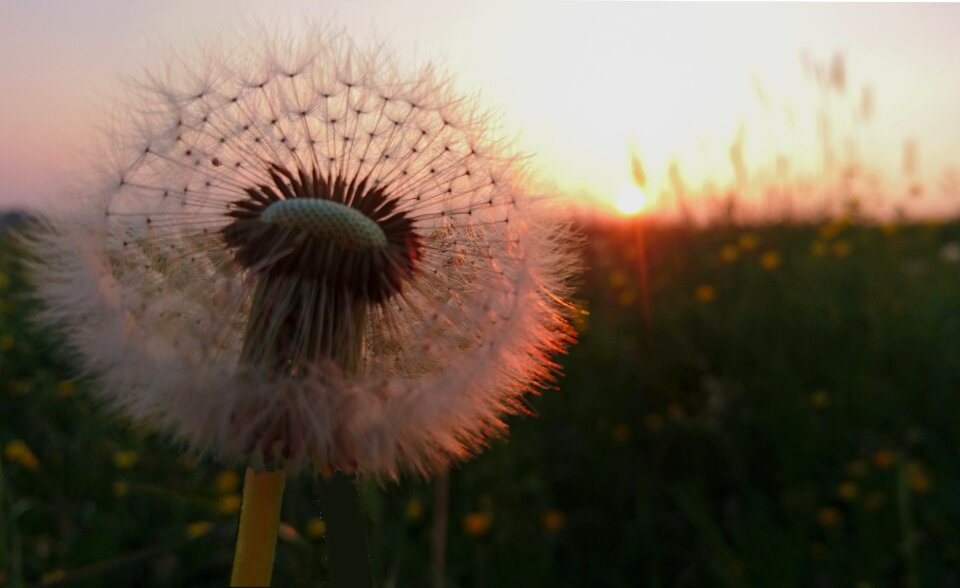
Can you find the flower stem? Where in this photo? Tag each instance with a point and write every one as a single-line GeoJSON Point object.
{"type": "Point", "coordinates": [348, 559]}
{"type": "Point", "coordinates": [259, 523]}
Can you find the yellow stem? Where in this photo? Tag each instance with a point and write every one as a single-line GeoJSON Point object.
{"type": "Point", "coordinates": [259, 523]}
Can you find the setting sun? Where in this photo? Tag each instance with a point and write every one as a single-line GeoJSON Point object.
{"type": "Point", "coordinates": [630, 200]}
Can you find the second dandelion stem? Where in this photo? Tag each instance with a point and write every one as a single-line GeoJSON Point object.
{"type": "Point", "coordinates": [348, 559]}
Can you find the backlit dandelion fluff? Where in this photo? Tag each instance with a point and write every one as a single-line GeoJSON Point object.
{"type": "Point", "coordinates": [305, 257]}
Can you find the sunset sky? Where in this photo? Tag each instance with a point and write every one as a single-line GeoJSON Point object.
{"type": "Point", "coordinates": [580, 85]}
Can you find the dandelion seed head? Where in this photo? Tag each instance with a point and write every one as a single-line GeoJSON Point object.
{"type": "Point", "coordinates": [304, 256]}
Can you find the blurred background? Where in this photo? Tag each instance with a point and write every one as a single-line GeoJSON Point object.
{"type": "Point", "coordinates": [767, 378]}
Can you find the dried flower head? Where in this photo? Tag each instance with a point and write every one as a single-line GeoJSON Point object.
{"type": "Point", "coordinates": [305, 257]}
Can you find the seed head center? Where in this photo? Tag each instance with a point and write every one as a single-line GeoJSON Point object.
{"type": "Point", "coordinates": [347, 227]}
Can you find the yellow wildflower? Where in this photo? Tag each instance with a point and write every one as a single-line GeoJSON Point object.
{"type": "Point", "coordinates": [618, 278]}
{"type": "Point", "coordinates": [917, 478]}
{"type": "Point", "coordinates": [748, 241]}
{"type": "Point", "coordinates": [841, 248]}
{"type": "Point", "coordinates": [848, 491]}
{"type": "Point", "coordinates": [316, 528]}
{"type": "Point", "coordinates": [653, 422]}
{"type": "Point", "coordinates": [820, 399]}
{"type": "Point", "coordinates": [676, 411]}
{"type": "Point", "coordinates": [65, 388]}
{"type": "Point", "coordinates": [6, 343]}
{"type": "Point", "coordinates": [883, 459]}
{"type": "Point", "coordinates": [414, 510]}
{"type": "Point", "coordinates": [120, 488]}
{"type": "Point", "coordinates": [705, 293]}
{"type": "Point", "coordinates": [228, 504]}
{"type": "Point", "coordinates": [627, 297]}
{"type": "Point", "coordinates": [828, 517]}
{"type": "Point", "coordinates": [227, 482]}
{"type": "Point", "coordinates": [477, 524]}
{"type": "Point", "coordinates": [553, 520]}
{"type": "Point", "coordinates": [19, 452]}
{"type": "Point", "coordinates": [198, 529]}
{"type": "Point", "coordinates": [124, 460]}
{"type": "Point", "coordinates": [770, 260]}
{"type": "Point", "coordinates": [819, 249]}
{"type": "Point", "coordinates": [729, 253]}
{"type": "Point", "coordinates": [621, 433]}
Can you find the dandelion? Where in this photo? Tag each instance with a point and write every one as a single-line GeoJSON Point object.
{"type": "Point", "coordinates": [303, 259]}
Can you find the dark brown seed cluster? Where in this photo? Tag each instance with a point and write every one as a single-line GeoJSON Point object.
{"type": "Point", "coordinates": [369, 276]}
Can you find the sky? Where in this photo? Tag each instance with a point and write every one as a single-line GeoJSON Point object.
{"type": "Point", "coordinates": [581, 86]}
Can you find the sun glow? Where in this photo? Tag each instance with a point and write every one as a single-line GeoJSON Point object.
{"type": "Point", "coordinates": [631, 200]}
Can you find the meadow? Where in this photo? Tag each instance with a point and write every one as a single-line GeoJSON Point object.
{"type": "Point", "coordinates": [768, 405]}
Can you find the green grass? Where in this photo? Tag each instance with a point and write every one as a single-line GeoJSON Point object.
{"type": "Point", "coordinates": [787, 425]}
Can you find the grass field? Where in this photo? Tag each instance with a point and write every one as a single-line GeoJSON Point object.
{"type": "Point", "coordinates": [747, 406]}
